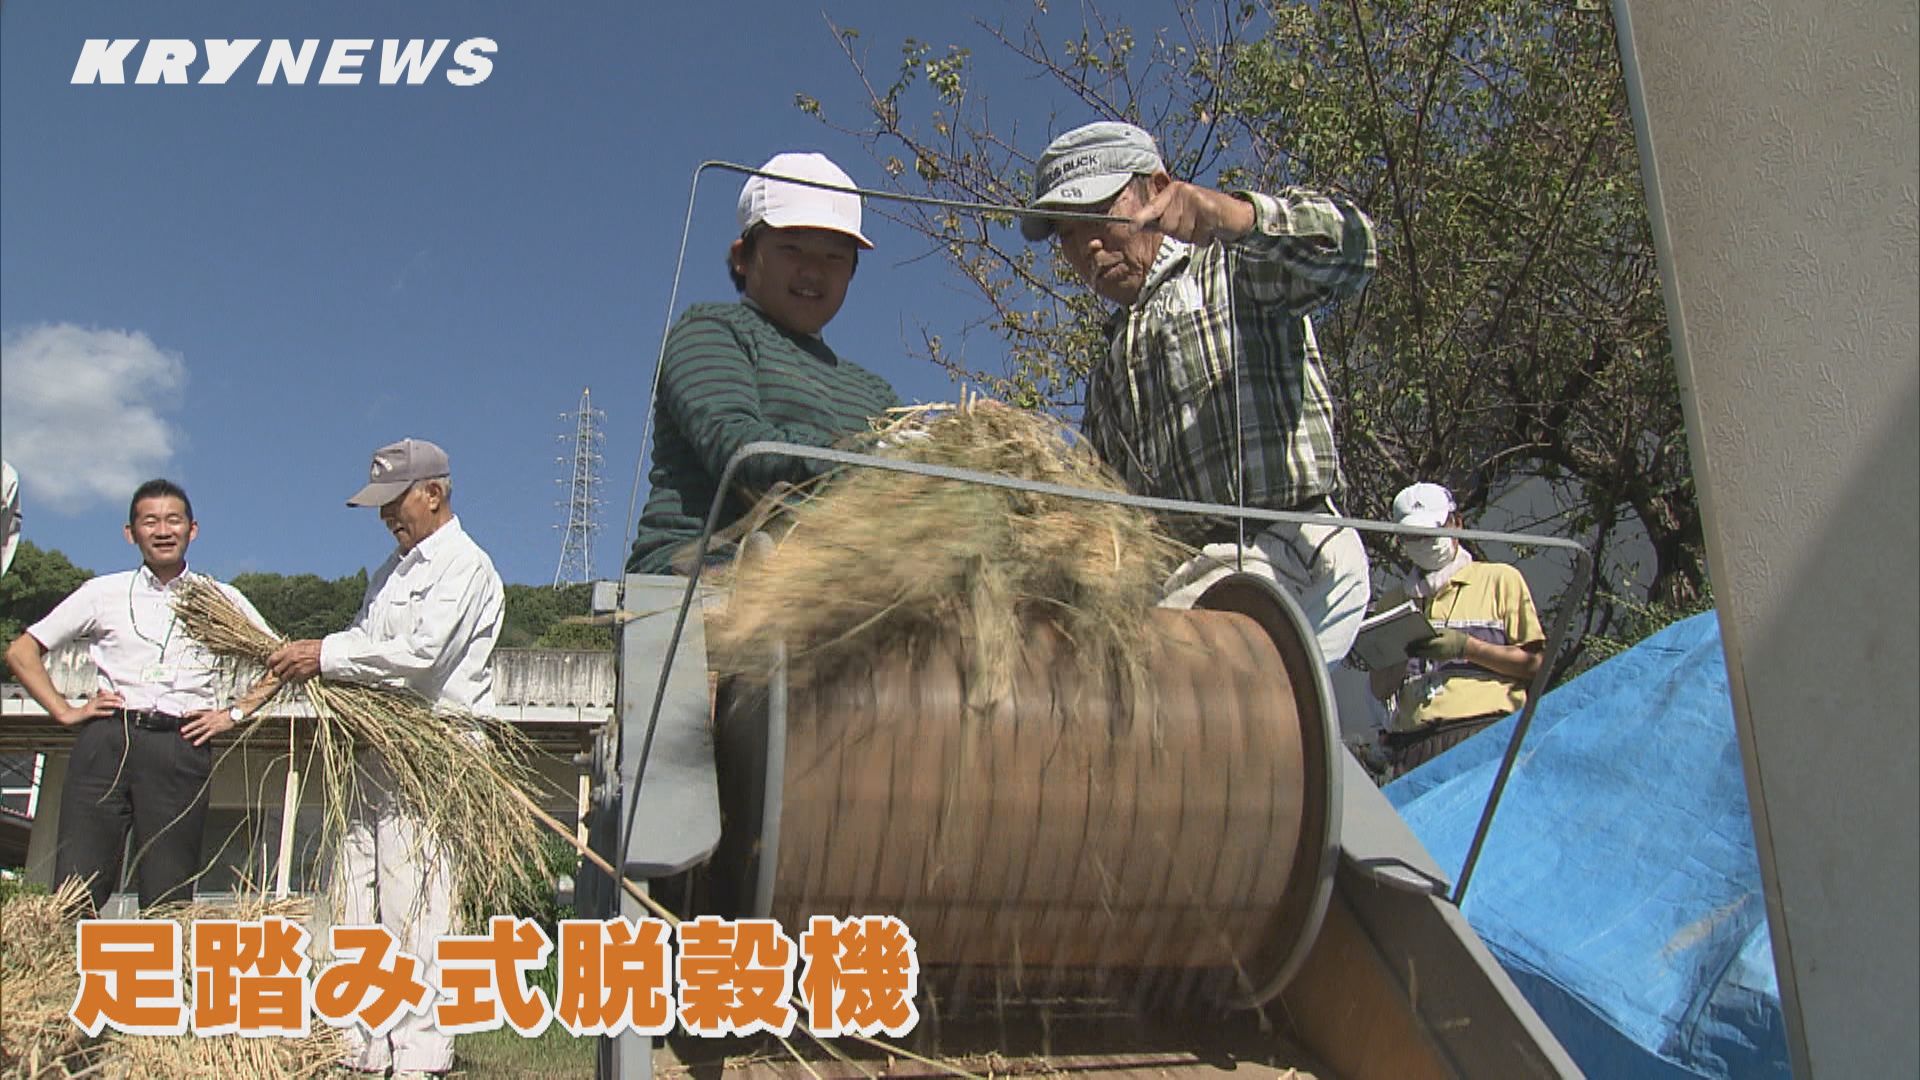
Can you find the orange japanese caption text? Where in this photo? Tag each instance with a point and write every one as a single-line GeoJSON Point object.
{"type": "Point", "coordinates": [129, 977]}
{"type": "Point", "coordinates": [725, 977]}
{"type": "Point", "coordinates": [250, 978]}
{"type": "Point", "coordinates": [860, 977]}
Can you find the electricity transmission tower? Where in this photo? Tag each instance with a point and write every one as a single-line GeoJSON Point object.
{"type": "Point", "coordinates": [581, 479]}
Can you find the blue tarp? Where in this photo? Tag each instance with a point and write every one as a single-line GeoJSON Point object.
{"type": "Point", "coordinates": [1619, 885]}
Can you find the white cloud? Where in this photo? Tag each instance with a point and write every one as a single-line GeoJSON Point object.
{"type": "Point", "coordinates": [81, 412]}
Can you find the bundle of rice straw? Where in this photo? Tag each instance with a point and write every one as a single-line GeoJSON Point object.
{"type": "Point", "coordinates": [39, 982]}
{"type": "Point", "coordinates": [877, 559]}
{"type": "Point", "coordinates": [471, 792]}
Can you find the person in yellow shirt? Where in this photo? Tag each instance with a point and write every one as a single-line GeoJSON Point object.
{"type": "Point", "coordinates": [1487, 649]}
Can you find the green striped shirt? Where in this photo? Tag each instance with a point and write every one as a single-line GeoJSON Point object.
{"type": "Point", "coordinates": [1222, 330]}
{"type": "Point", "coordinates": [731, 377]}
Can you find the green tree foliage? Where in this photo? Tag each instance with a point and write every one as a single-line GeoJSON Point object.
{"type": "Point", "coordinates": [305, 605]}
{"type": "Point", "coordinates": [536, 614]}
{"type": "Point", "coordinates": [1515, 331]}
{"type": "Point", "coordinates": [39, 579]}
{"type": "Point", "coordinates": [302, 606]}
{"type": "Point", "coordinates": [568, 635]}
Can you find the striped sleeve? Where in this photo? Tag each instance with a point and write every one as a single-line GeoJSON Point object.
{"type": "Point", "coordinates": [710, 389]}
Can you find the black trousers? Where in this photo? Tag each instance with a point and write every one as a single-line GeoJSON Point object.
{"type": "Point", "coordinates": [123, 778]}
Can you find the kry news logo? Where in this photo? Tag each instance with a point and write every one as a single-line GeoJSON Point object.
{"type": "Point", "coordinates": [172, 60]}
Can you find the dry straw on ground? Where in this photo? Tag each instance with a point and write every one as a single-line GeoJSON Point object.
{"type": "Point", "coordinates": [39, 982]}
{"type": "Point", "coordinates": [466, 778]}
{"type": "Point", "coordinates": [878, 559]}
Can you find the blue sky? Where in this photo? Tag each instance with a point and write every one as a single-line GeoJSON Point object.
{"type": "Point", "coordinates": [249, 288]}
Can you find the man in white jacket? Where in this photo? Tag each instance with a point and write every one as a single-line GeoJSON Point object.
{"type": "Point", "coordinates": [429, 622]}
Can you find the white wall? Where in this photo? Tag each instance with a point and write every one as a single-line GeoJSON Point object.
{"type": "Point", "coordinates": [1783, 171]}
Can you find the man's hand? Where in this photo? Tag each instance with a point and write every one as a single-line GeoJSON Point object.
{"type": "Point", "coordinates": [296, 661]}
{"type": "Point", "coordinates": [1443, 645]}
{"type": "Point", "coordinates": [99, 704]}
{"type": "Point", "coordinates": [1196, 215]}
{"type": "Point", "coordinates": [205, 724]}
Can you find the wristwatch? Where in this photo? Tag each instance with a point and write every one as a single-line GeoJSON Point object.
{"type": "Point", "coordinates": [235, 713]}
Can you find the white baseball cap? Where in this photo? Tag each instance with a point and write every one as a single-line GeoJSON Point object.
{"type": "Point", "coordinates": [797, 206]}
{"type": "Point", "coordinates": [1422, 504]}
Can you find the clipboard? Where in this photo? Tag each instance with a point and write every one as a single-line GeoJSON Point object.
{"type": "Point", "coordinates": [1383, 638]}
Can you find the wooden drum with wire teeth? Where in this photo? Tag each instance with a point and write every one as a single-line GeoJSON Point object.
{"type": "Point", "coordinates": [1074, 826]}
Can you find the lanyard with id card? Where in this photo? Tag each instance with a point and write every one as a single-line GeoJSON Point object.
{"type": "Point", "coordinates": [159, 673]}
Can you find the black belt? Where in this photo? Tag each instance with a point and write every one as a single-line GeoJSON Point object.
{"type": "Point", "coordinates": [1227, 530]}
{"type": "Point", "coordinates": [151, 719]}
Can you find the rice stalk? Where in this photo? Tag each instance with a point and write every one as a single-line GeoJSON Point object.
{"type": "Point", "coordinates": [455, 773]}
{"type": "Point", "coordinates": [878, 560]}
{"type": "Point", "coordinates": [39, 982]}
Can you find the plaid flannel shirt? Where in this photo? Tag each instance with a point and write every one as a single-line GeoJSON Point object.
{"type": "Point", "coordinates": [1224, 329]}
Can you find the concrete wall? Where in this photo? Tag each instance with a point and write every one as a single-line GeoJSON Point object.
{"type": "Point", "coordinates": [1783, 172]}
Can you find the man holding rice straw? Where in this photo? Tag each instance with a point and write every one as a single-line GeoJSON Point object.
{"type": "Point", "coordinates": [141, 755]}
{"type": "Point", "coordinates": [429, 621]}
{"type": "Point", "coordinates": [758, 370]}
{"type": "Point", "coordinates": [1212, 389]}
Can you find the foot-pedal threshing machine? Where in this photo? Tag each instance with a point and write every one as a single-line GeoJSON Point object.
{"type": "Point", "coordinates": [1195, 880]}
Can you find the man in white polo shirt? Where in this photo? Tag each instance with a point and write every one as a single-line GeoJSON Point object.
{"type": "Point", "coordinates": [141, 754]}
{"type": "Point", "coordinates": [428, 624]}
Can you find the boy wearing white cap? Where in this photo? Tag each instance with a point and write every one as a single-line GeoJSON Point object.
{"type": "Point", "coordinates": [1476, 668]}
{"type": "Point", "coordinates": [758, 370]}
{"type": "Point", "coordinates": [1211, 389]}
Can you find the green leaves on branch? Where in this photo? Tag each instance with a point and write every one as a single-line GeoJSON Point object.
{"type": "Point", "coordinates": [38, 580]}
{"type": "Point", "coordinates": [1515, 330]}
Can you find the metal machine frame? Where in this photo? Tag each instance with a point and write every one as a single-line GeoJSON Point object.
{"type": "Point", "coordinates": [1388, 923]}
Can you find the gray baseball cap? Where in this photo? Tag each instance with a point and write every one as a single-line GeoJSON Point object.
{"type": "Point", "coordinates": [1086, 167]}
{"type": "Point", "coordinates": [396, 467]}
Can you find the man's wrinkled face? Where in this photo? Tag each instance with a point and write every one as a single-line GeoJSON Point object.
{"type": "Point", "coordinates": [412, 517]}
{"type": "Point", "coordinates": [162, 531]}
{"type": "Point", "coordinates": [1113, 259]}
{"type": "Point", "coordinates": [799, 277]}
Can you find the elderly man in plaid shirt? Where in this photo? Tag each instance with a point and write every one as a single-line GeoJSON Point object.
{"type": "Point", "coordinates": [1212, 389]}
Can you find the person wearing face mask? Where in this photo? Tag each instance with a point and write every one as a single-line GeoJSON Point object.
{"type": "Point", "coordinates": [1487, 648]}
{"type": "Point", "coordinates": [758, 370]}
{"type": "Point", "coordinates": [1212, 387]}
